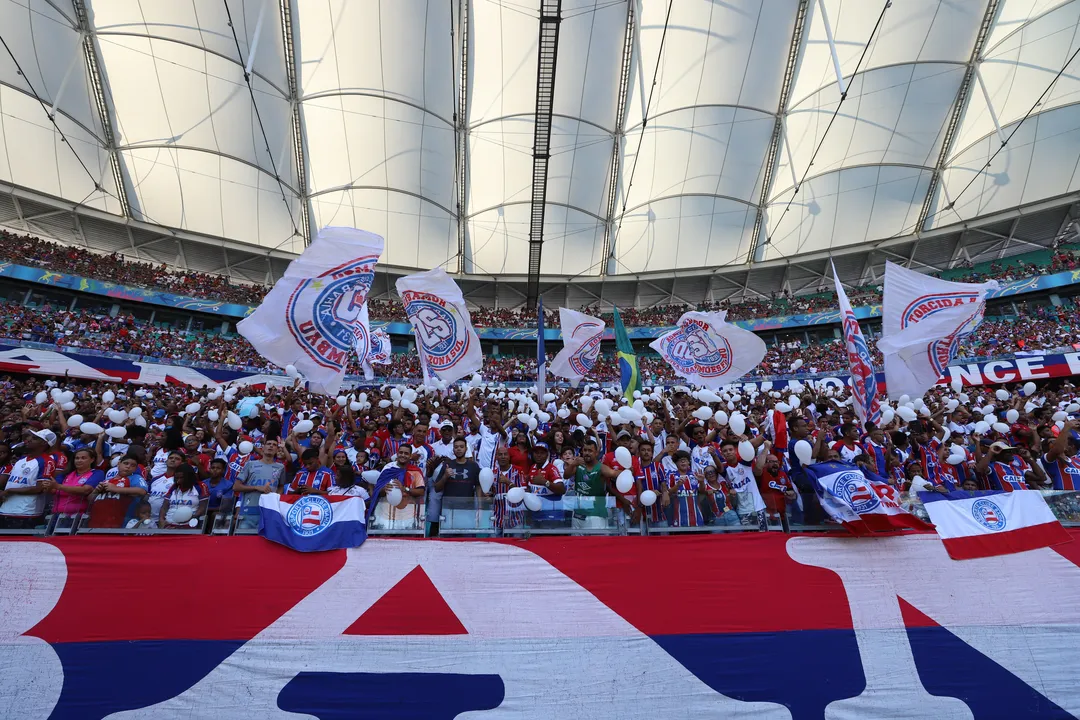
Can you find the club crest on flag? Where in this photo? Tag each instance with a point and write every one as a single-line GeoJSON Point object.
{"type": "Point", "coordinates": [379, 352]}
{"type": "Point", "coordinates": [988, 514]}
{"type": "Point", "coordinates": [583, 359]}
{"type": "Point", "coordinates": [446, 339]}
{"type": "Point", "coordinates": [852, 487]}
{"type": "Point", "coordinates": [323, 313]}
{"type": "Point", "coordinates": [692, 349]}
{"type": "Point", "coordinates": [941, 352]}
{"type": "Point", "coordinates": [310, 516]}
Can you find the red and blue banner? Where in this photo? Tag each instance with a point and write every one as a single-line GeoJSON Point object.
{"type": "Point", "coordinates": [755, 626]}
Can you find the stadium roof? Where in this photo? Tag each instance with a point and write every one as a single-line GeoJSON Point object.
{"type": "Point", "coordinates": [688, 138]}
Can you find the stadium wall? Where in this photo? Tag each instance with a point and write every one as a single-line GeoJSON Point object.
{"type": "Point", "coordinates": [760, 625]}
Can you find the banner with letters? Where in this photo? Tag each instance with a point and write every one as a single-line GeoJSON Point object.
{"type": "Point", "coordinates": [861, 628]}
{"type": "Point", "coordinates": [448, 346]}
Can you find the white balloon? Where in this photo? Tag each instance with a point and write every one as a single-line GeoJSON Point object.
{"type": "Point", "coordinates": [956, 459]}
{"type": "Point", "coordinates": [411, 407]}
{"type": "Point", "coordinates": [134, 412]}
{"type": "Point", "coordinates": [515, 495]}
{"type": "Point", "coordinates": [550, 397]}
{"type": "Point", "coordinates": [583, 420]}
{"type": "Point", "coordinates": [721, 417]}
{"type": "Point", "coordinates": [291, 371]}
{"type": "Point", "coordinates": [393, 496]}
{"type": "Point", "coordinates": [372, 476]}
{"type": "Point", "coordinates": [179, 515]}
{"type": "Point", "coordinates": [395, 394]}
{"type": "Point", "coordinates": [1073, 407]}
{"type": "Point", "coordinates": [409, 395]}
{"type": "Point", "coordinates": [906, 414]}
{"type": "Point", "coordinates": [116, 432]}
{"type": "Point", "coordinates": [117, 416]}
{"type": "Point", "coordinates": [797, 364]}
{"type": "Point", "coordinates": [233, 420]}
{"type": "Point", "coordinates": [67, 406]}
{"type": "Point", "coordinates": [952, 404]}
{"type": "Point", "coordinates": [737, 424]}
{"type": "Point", "coordinates": [746, 451]}
{"type": "Point", "coordinates": [41, 398]}
{"type": "Point", "coordinates": [75, 421]}
{"type": "Point", "coordinates": [703, 413]}
{"type": "Point", "coordinates": [1012, 415]}
{"type": "Point", "coordinates": [964, 398]}
{"type": "Point", "coordinates": [887, 415]}
{"type": "Point", "coordinates": [1060, 416]}
{"type": "Point", "coordinates": [245, 447]}
{"type": "Point", "coordinates": [342, 401]}
{"type": "Point", "coordinates": [487, 479]}
{"type": "Point", "coordinates": [193, 408]}
{"type": "Point", "coordinates": [804, 451]}
{"type": "Point", "coordinates": [648, 498]}
{"type": "Point", "coordinates": [213, 415]}
{"type": "Point", "coordinates": [783, 407]}
{"type": "Point", "coordinates": [384, 404]}
{"type": "Point", "coordinates": [794, 401]}
{"type": "Point", "coordinates": [90, 428]}
{"type": "Point", "coordinates": [982, 427]}
{"type": "Point", "coordinates": [1001, 428]}
{"type": "Point", "coordinates": [304, 426]}
{"type": "Point", "coordinates": [108, 396]}
{"type": "Point", "coordinates": [532, 501]}
{"type": "Point", "coordinates": [1029, 389]}
{"type": "Point", "coordinates": [946, 433]}
{"type": "Point", "coordinates": [1001, 394]}
{"type": "Point", "coordinates": [66, 396]}
{"type": "Point", "coordinates": [140, 421]}
{"type": "Point", "coordinates": [623, 457]}
{"type": "Point", "coordinates": [624, 482]}
{"type": "Point", "coordinates": [990, 418]}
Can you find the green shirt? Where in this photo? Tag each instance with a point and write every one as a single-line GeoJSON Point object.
{"type": "Point", "coordinates": [591, 485]}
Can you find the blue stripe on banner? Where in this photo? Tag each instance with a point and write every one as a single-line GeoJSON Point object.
{"type": "Point", "coordinates": [928, 497]}
{"type": "Point", "coordinates": [337, 535]}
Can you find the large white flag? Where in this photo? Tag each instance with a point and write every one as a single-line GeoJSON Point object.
{"type": "Point", "coordinates": [581, 336]}
{"type": "Point", "coordinates": [946, 311]}
{"type": "Point", "coordinates": [706, 350]}
{"type": "Point", "coordinates": [311, 319]}
{"type": "Point", "coordinates": [445, 339]}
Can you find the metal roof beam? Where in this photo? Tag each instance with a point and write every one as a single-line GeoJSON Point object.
{"type": "Point", "coordinates": [619, 136]}
{"type": "Point", "coordinates": [102, 98]}
{"type": "Point", "coordinates": [290, 41]}
{"type": "Point", "coordinates": [772, 158]}
{"type": "Point", "coordinates": [963, 99]}
{"type": "Point", "coordinates": [461, 118]}
{"type": "Point", "coordinates": [546, 65]}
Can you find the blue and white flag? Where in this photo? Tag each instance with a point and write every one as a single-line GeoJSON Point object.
{"type": "Point", "coordinates": [860, 501]}
{"type": "Point", "coordinates": [864, 387]}
{"type": "Point", "coordinates": [581, 337]}
{"type": "Point", "coordinates": [708, 351]}
{"type": "Point", "coordinates": [310, 523]}
{"type": "Point", "coordinates": [311, 319]}
{"type": "Point", "coordinates": [445, 339]}
{"type": "Point", "coordinates": [922, 322]}
{"type": "Point", "coordinates": [373, 348]}
{"type": "Point", "coordinates": [983, 524]}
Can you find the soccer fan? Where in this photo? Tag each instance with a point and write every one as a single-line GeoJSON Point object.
{"type": "Point", "coordinates": [1062, 461]}
{"type": "Point", "coordinates": [187, 494]}
{"type": "Point", "coordinates": [112, 499]}
{"type": "Point", "coordinates": [73, 491]}
{"type": "Point", "coordinates": [506, 476]}
{"type": "Point", "coordinates": [314, 479]}
{"type": "Point", "coordinates": [684, 488]}
{"type": "Point", "coordinates": [777, 490]}
{"type": "Point", "coordinates": [588, 490]}
{"type": "Point", "coordinates": [22, 495]}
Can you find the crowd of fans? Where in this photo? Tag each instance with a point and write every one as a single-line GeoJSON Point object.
{"type": "Point", "coordinates": [1035, 328]}
{"type": "Point", "coordinates": [116, 456]}
{"type": "Point", "coordinates": [27, 250]}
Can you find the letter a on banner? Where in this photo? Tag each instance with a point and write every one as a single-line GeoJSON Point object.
{"type": "Point", "coordinates": [312, 317]}
{"type": "Point", "coordinates": [445, 339]}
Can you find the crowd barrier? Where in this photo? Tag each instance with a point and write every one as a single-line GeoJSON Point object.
{"type": "Point", "coordinates": [478, 517]}
{"type": "Point", "coordinates": [761, 626]}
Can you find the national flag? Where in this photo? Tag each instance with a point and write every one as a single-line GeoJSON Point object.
{"type": "Point", "coordinates": [864, 387]}
{"type": "Point", "coordinates": [983, 524]}
{"type": "Point", "coordinates": [541, 354]}
{"type": "Point", "coordinates": [912, 357]}
{"type": "Point", "coordinates": [445, 339]}
{"type": "Point", "coordinates": [581, 337]}
{"type": "Point", "coordinates": [311, 318]}
{"type": "Point", "coordinates": [707, 350]}
{"type": "Point", "coordinates": [861, 502]}
{"type": "Point", "coordinates": [628, 367]}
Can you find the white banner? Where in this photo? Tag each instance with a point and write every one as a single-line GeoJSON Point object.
{"type": "Point", "coordinates": [445, 339]}
{"type": "Point", "coordinates": [581, 337]}
{"type": "Point", "coordinates": [312, 317]}
{"type": "Point", "coordinates": [914, 362]}
{"type": "Point", "coordinates": [708, 351]}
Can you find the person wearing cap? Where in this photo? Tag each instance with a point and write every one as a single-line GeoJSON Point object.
{"type": "Point", "coordinates": [1062, 460]}
{"type": "Point", "coordinates": [22, 496]}
{"type": "Point", "coordinates": [1007, 467]}
{"type": "Point", "coordinates": [545, 481]}
{"type": "Point", "coordinates": [444, 446]}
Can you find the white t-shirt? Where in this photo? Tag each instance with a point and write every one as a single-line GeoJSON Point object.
{"type": "Point", "coordinates": [24, 474]}
{"type": "Point", "coordinates": [159, 488]}
{"type": "Point", "coordinates": [701, 457]}
{"type": "Point", "coordinates": [161, 457]}
{"type": "Point", "coordinates": [742, 482]}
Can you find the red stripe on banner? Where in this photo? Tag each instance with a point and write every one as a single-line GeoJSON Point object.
{"type": "Point", "coordinates": [1032, 537]}
{"type": "Point", "coordinates": [878, 523]}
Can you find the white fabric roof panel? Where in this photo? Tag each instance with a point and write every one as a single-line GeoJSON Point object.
{"type": "Point", "coordinates": [378, 93]}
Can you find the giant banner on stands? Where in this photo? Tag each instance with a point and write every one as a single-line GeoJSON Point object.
{"type": "Point", "coordinates": [40, 359]}
{"type": "Point", "coordinates": [755, 626]}
{"type": "Point", "coordinates": [183, 302]}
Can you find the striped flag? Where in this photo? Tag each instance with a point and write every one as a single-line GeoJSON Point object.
{"type": "Point", "coordinates": [984, 524]}
{"type": "Point", "coordinates": [864, 387]}
{"type": "Point", "coordinates": [628, 367]}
